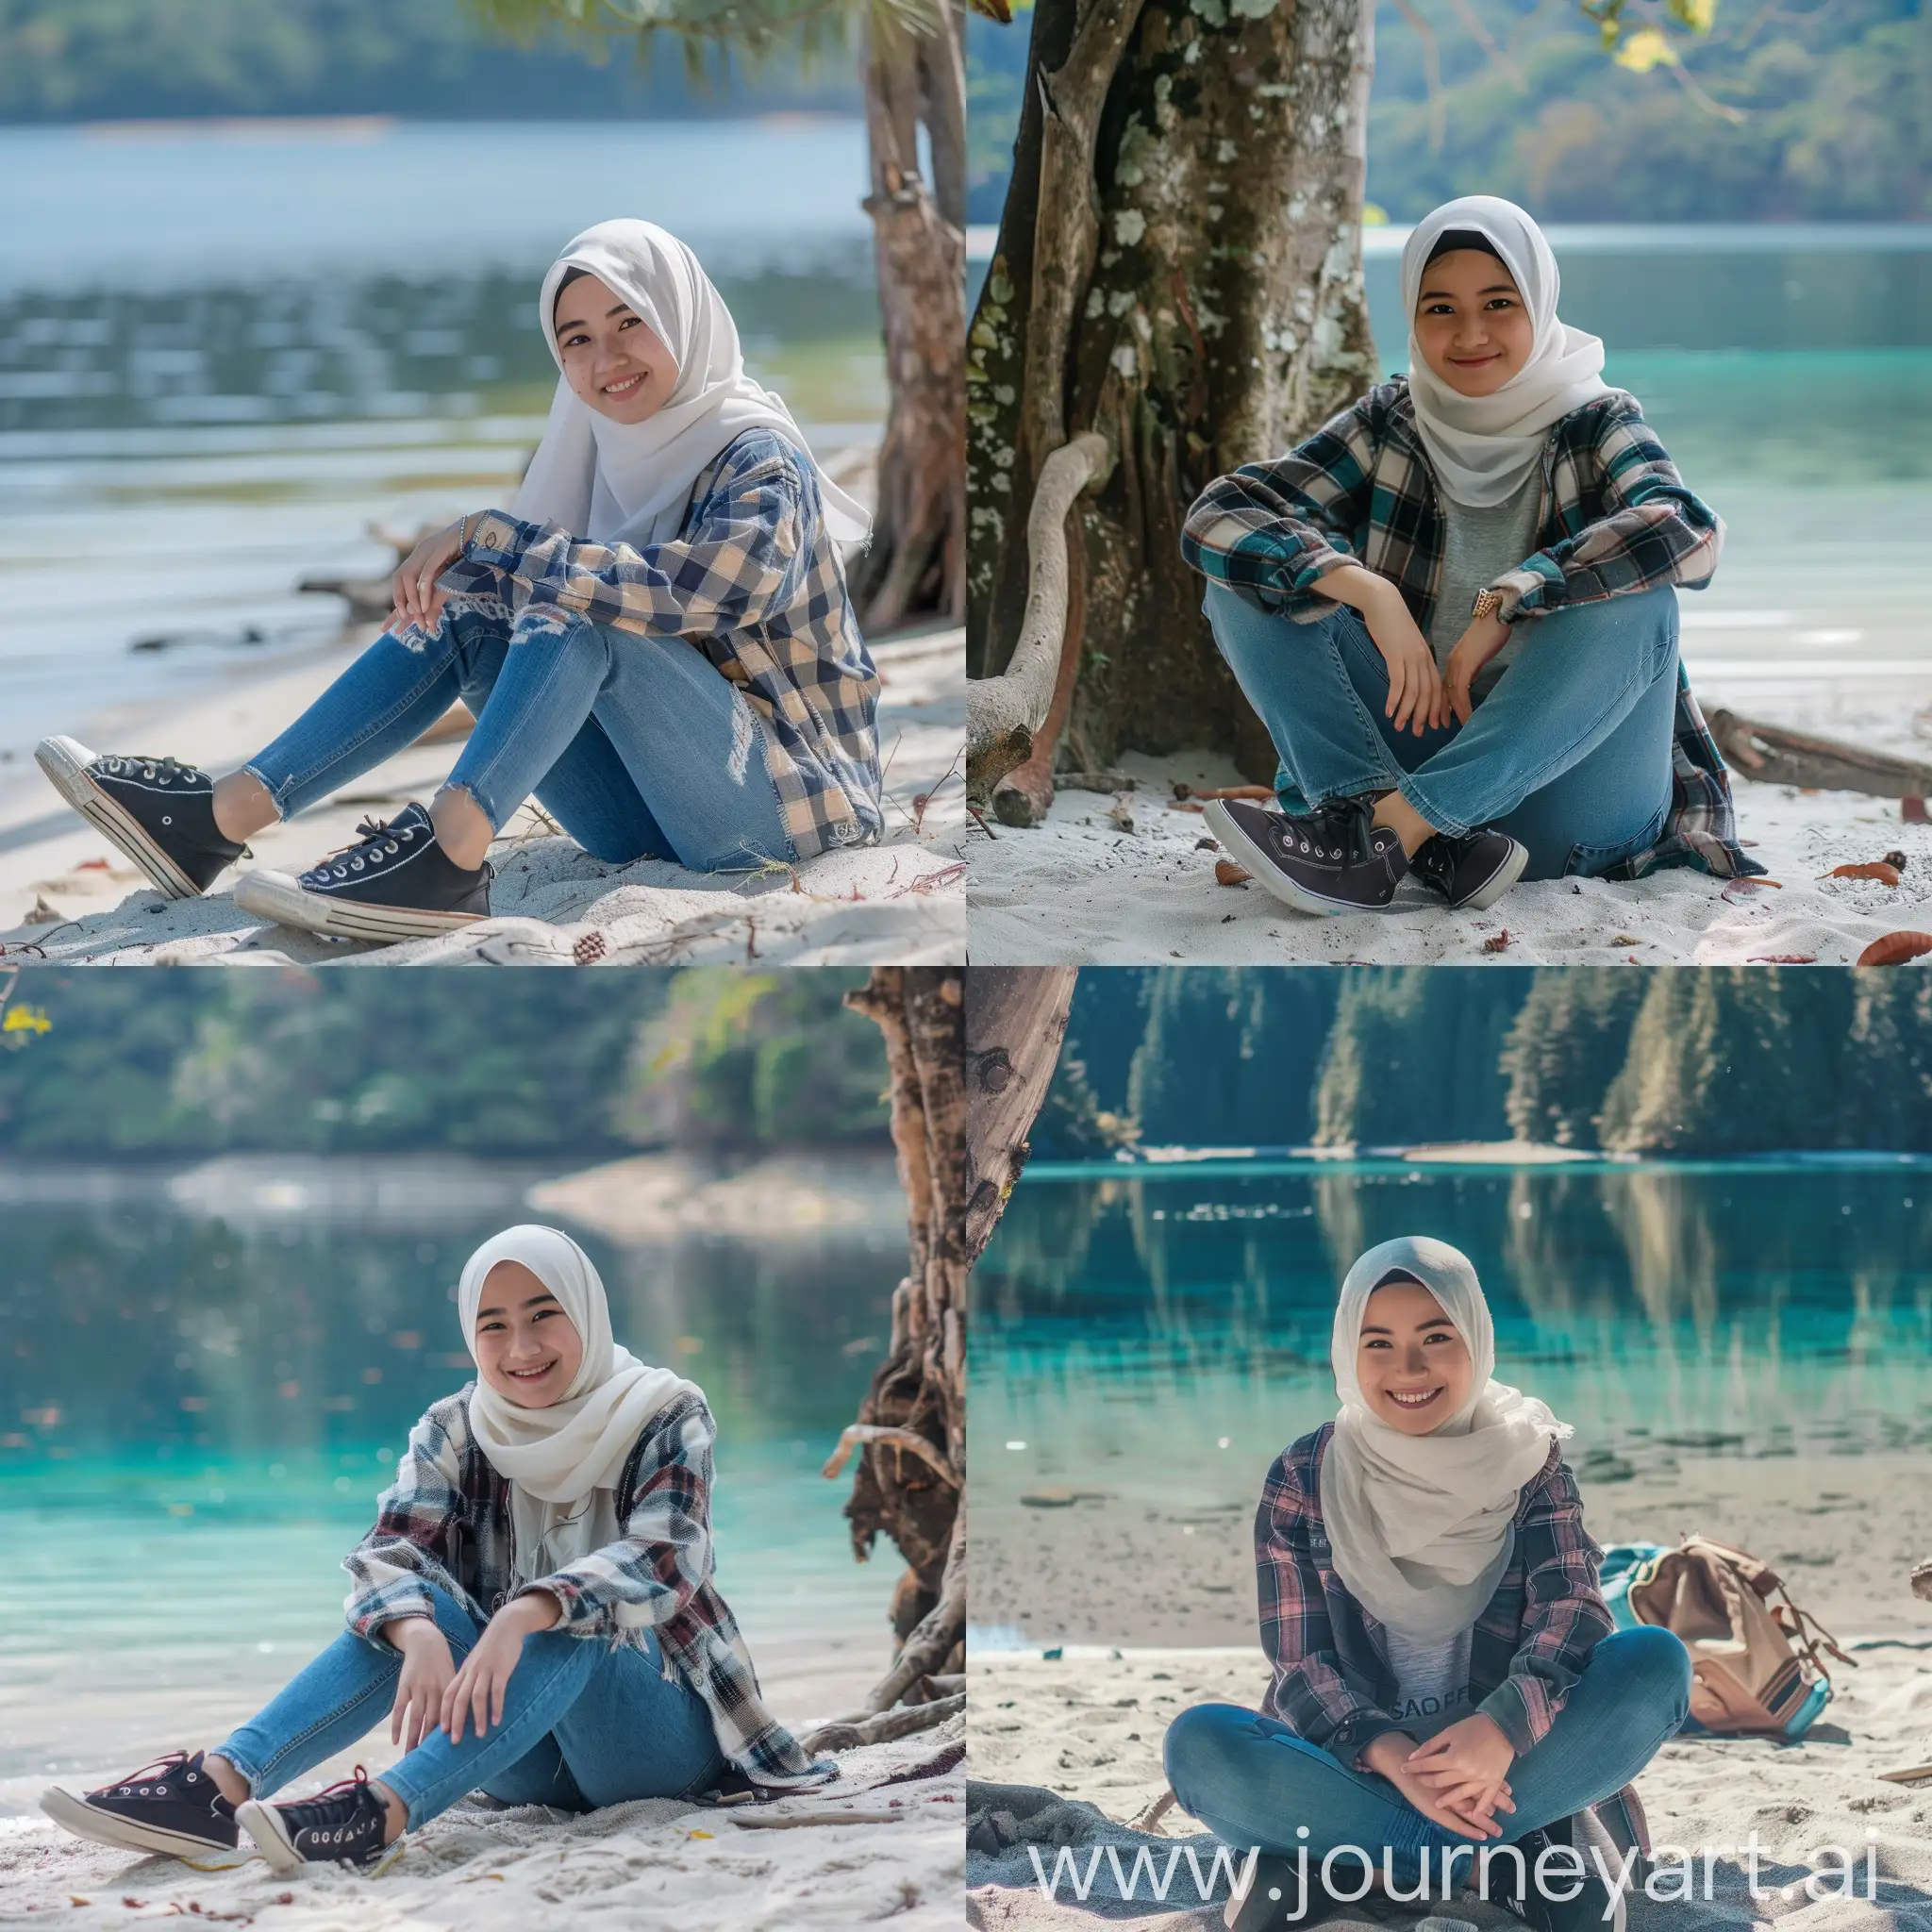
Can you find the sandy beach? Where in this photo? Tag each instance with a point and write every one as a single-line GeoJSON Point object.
{"type": "Point", "coordinates": [1844, 1530]}
{"type": "Point", "coordinates": [659, 1864]}
{"type": "Point", "coordinates": [67, 895]}
{"type": "Point", "coordinates": [1126, 880]}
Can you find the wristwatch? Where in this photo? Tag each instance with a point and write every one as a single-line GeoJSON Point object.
{"type": "Point", "coordinates": [1488, 602]}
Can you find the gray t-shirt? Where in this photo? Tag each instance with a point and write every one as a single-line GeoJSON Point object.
{"type": "Point", "coordinates": [1482, 545]}
{"type": "Point", "coordinates": [1431, 1680]}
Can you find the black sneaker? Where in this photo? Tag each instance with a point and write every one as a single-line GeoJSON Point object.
{"type": "Point", "coordinates": [1599, 1905]}
{"type": "Point", "coordinates": [159, 811]}
{"type": "Point", "coordinates": [1333, 860]}
{"type": "Point", "coordinates": [343, 1825]}
{"type": "Point", "coordinates": [169, 1805]}
{"type": "Point", "coordinates": [1474, 870]}
{"type": "Point", "coordinates": [396, 884]}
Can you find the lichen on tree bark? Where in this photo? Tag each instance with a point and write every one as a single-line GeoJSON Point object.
{"type": "Point", "coordinates": [1224, 318]}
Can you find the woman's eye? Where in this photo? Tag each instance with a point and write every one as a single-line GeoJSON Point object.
{"type": "Point", "coordinates": [628, 322]}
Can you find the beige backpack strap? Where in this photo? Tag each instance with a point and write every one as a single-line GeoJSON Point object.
{"type": "Point", "coordinates": [1798, 1625]}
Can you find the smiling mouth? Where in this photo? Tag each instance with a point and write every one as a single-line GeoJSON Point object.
{"type": "Point", "coordinates": [1413, 1399]}
{"type": "Point", "coordinates": [529, 1375]}
{"type": "Point", "coordinates": [628, 386]}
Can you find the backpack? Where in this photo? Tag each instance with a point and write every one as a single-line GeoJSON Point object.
{"type": "Point", "coordinates": [1754, 1663]}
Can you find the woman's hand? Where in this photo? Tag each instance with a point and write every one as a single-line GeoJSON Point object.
{"type": "Point", "coordinates": [1389, 1754]}
{"type": "Point", "coordinates": [413, 587]}
{"type": "Point", "coordinates": [427, 1668]}
{"type": "Point", "coordinates": [1466, 1766]}
{"type": "Point", "coordinates": [1484, 638]}
{"type": "Point", "coordinates": [475, 1692]}
{"type": "Point", "coordinates": [1417, 701]}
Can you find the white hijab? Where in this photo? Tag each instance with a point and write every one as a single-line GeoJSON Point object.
{"type": "Point", "coordinates": [562, 1462]}
{"type": "Point", "coordinates": [1484, 447]}
{"type": "Point", "coordinates": [631, 482]}
{"type": "Point", "coordinates": [1422, 1526]}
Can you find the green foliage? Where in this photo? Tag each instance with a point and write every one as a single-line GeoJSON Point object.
{"type": "Point", "coordinates": [1831, 108]}
{"type": "Point", "coordinates": [1835, 102]}
{"type": "Point", "coordinates": [1712, 1061]}
{"type": "Point", "coordinates": [1415, 1055]}
{"type": "Point", "coordinates": [110, 59]}
{"type": "Point", "coordinates": [160, 1065]}
{"type": "Point", "coordinates": [767, 1058]}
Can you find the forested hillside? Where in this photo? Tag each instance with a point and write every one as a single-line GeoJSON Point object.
{"type": "Point", "coordinates": [1831, 106]}
{"type": "Point", "coordinates": [1664, 1062]}
{"type": "Point", "coordinates": [426, 59]}
{"type": "Point", "coordinates": [162, 1065]}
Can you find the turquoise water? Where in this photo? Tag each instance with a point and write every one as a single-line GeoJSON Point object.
{"type": "Point", "coordinates": [202, 1395]}
{"type": "Point", "coordinates": [227, 349]}
{"type": "Point", "coordinates": [1167, 1332]}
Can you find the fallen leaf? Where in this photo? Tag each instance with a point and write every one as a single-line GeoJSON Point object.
{"type": "Point", "coordinates": [1207, 846]}
{"type": "Point", "coordinates": [1895, 947]}
{"type": "Point", "coordinates": [699, 1833]}
{"type": "Point", "coordinates": [92, 865]}
{"type": "Point", "coordinates": [1499, 944]}
{"type": "Point", "coordinates": [1877, 868]}
{"type": "Point", "coordinates": [1782, 960]}
{"type": "Point", "coordinates": [1625, 939]}
{"type": "Point", "coordinates": [1226, 873]}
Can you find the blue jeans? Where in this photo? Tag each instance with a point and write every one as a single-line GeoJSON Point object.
{"type": "Point", "coordinates": [1250, 1781]}
{"type": "Point", "coordinates": [584, 1725]}
{"type": "Point", "coordinates": [639, 747]}
{"type": "Point", "coordinates": [1570, 752]}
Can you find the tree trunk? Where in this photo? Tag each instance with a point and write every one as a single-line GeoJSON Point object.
{"type": "Point", "coordinates": [917, 564]}
{"type": "Point", "coordinates": [965, 1087]}
{"type": "Point", "coordinates": [918, 1391]}
{"type": "Point", "coordinates": [1016, 1020]}
{"type": "Point", "coordinates": [1219, 317]}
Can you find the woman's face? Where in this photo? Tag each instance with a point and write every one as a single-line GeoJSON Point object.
{"type": "Point", "coordinates": [1471, 325]}
{"type": "Point", "coordinates": [1411, 1361]}
{"type": "Point", "coordinates": [526, 1348]}
{"type": "Point", "coordinates": [612, 359]}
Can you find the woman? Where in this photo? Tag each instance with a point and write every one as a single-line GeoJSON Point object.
{"type": "Point", "coordinates": [534, 1608]}
{"type": "Point", "coordinates": [1445, 1674]}
{"type": "Point", "coordinates": [1452, 607]}
{"type": "Point", "coordinates": [655, 643]}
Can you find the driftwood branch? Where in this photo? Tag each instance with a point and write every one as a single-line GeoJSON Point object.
{"type": "Point", "coordinates": [1776, 755]}
{"type": "Point", "coordinates": [1004, 712]}
{"type": "Point", "coordinates": [880, 1436]}
{"type": "Point", "coordinates": [882, 1728]}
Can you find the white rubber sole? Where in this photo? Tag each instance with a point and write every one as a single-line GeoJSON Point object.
{"type": "Point", "coordinates": [283, 898]}
{"type": "Point", "coordinates": [263, 1823]}
{"type": "Point", "coordinates": [74, 1814]}
{"type": "Point", "coordinates": [1263, 870]}
{"type": "Point", "coordinates": [65, 761]}
{"type": "Point", "coordinates": [1505, 876]}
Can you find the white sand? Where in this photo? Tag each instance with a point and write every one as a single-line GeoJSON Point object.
{"type": "Point", "coordinates": [1079, 889]}
{"type": "Point", "coordinates": [903, 899]}
{"type": "Point", "coordinates": [658, 1865]}
{"type": "Point", "coordinates": [1090, 1726]}
{"type": "Point", "coordinates": [1843, 1530]}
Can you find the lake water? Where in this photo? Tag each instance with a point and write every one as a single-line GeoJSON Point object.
{"type": "Point", "coordinates": [227, 349]}
{"type": "Point", "coordinates": [210, 1374]}
{"type": "Point", "coordinates": [1167, 1334]}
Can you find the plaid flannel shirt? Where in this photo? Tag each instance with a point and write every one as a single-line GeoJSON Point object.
{"type": "Point", "coordinates": [755, 582]}
{"type": "Point", "coordinates": [1332, 1684]}
{"type": "Point", "coordinates": [446, 1520]}
{"type": "Point", "coordinates": [1615, 518]}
